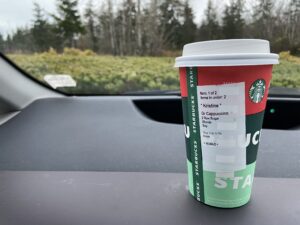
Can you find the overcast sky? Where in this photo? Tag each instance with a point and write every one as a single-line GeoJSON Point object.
{"type": "Point", "coordinates": [16, 13]}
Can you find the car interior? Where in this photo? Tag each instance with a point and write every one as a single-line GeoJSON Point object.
{"type": "Point", "coordinates": [121, 160]}
{"type": "Point", "coordinates": [149, 112]}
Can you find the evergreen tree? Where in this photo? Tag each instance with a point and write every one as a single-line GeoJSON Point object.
{"type": "Point", "coordinates": [210, 28]}
{"type": "Point", "coordinates": [152, 41]}
{"type": "Point", "coordinates": [8, 44]}
{"type": "Point", "coordinates": [1, 43]}
{"type": "Point", "coordinates": [264, 19]}
{"type": "Point", "coordinates": [136, 27]}
{"type": "Point", "coordinates": [91, 25]}
{"type": "Point", "coordinates": [171, 12]}
{"type": "Point", "coordinates": [233, 22]}
{"type": "Point", "coordinates": [108, 27]}
{"type": "Point", "coordinates": [41, 30]}
{"type": "Point", "coordinates": [68, 21]}
{"type": "Point", "coordinates": [293, 28]}
{"type": "Point", "coordinates": [22, 41]}
{"type": "Point", "coordinates": [129, 23]}
{"type": "Point", "coordinates": [139, 15]}
{"type": "Point", "coordinates": [189, 28]}
{"type": "Point", "coordinates": [104, 28]}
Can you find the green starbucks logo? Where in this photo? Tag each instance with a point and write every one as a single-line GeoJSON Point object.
{"type": "Point", "coordinates": [257, 90]}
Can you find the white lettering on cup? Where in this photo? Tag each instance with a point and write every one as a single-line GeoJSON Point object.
{"type": "Point", "coordinates": [236, 181]}
{"type": "Point", "coordinates": [247, 181]}
{"type": "Point", "coordinates": [187, 131]}
{"type": "Point", "coordinates": [220, 183]}
{"type": "Point", "coordinates": [255, 138]}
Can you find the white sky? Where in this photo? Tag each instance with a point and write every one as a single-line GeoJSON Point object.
{"type": "Point", "coordinates": [16, 13]}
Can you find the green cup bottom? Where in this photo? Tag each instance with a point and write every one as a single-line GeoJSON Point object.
{"type": "Point", "coordinates": [224, 192]}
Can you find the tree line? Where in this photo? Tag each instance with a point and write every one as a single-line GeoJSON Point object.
{"type": "Point", "coordinates": [154, 28]}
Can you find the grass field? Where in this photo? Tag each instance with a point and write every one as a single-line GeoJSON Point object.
{"type": "Point", "coordinates": [115, 75]}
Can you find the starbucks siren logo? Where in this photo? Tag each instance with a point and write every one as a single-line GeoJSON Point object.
{"type": "Point", "coordinates": [257, 90]}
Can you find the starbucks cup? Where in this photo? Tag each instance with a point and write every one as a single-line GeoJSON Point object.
{"type": "Point", "coordinates": [224, 88]}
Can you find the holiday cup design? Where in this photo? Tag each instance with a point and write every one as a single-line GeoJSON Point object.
{"type": "Point", "coordinates": [257, 90]}
{"type": "Point", "coordinates": [223, 109]}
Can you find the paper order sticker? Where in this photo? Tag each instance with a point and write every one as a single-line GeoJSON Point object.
{"type": "Point", "coordinates": [222, 126]}
{"type": "Point", "coordinates": [60, 80]}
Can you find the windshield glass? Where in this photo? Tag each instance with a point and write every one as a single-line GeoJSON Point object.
{"type": "Point", "coordinates": [129, 46]}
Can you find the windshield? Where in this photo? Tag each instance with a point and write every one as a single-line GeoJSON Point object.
{"type": "Point", "coordinates": [128, 46]}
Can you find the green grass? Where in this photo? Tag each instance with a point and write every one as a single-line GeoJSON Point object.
{"type": "Point", "coordinates": [106, 74]}
{"type": "Point", "coordinates": [287, 73]}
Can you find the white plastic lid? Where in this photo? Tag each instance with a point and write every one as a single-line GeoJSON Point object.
{"type": "Point", "coordinates": [232, 52]}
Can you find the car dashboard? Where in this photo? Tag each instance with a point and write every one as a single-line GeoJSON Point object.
{"type": "Point", "coordinates": [121, 160]}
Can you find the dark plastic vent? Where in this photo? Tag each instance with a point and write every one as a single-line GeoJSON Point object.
{"type": "Point", "coordinates": [280, 114]}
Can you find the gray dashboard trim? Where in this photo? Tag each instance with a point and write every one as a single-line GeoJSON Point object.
{"type": "Point", "coordinates": [93, 198]}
